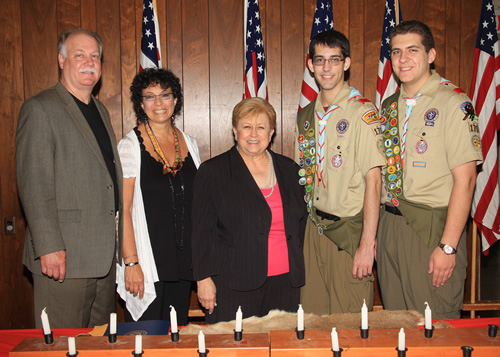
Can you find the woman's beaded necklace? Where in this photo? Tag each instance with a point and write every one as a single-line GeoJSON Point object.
{"type": "Point", "coordinates": [176, 167]}
{"type": "Point", "coordinates": [272, 176]}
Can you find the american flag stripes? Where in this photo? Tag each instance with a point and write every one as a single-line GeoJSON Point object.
{"type": "Point", "coordinates": [386, 84]}
{"type": "Point", "coordinates": [255, 60]}
{"type": "Point", "coordinates": [323, 20]}
{"type": "Point", "coordinates": [150, 42]}
{"type": "Point", "coordinates": [485, 91]}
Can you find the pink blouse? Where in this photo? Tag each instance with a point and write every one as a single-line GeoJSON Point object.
{"type": "Point", "coordinates": [277, 256]}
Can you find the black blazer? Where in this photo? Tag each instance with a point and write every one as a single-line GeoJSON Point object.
{"type": "Point", "coordinates": [231, 222]}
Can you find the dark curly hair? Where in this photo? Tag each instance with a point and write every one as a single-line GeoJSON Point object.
{"type": "Point", "coordinates": [151, 77]}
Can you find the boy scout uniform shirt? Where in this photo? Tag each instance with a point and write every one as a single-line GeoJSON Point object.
{"type": "Point", "coordinates": [439, 138]}
{"type": "Point", "coordinates": [353, 143]}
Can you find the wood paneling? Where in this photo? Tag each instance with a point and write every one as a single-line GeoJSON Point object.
{"type": "Point", "coordinates": [202, 43]}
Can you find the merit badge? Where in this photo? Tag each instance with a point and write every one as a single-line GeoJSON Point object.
{"type": "Point", "coordinates": [394, 121]}
{"type": "Point", "coordinates": [397, 158]}
{"type": "Point", "coordinates": [388, 152]}
{"type": "Point", "coordinates": [342, 126]}
{"type": "Point", "coordinates": [395, 202]}
{"type": "Point", "coordinates": [421, 146]}
{"type": "Point", "coordinates": [393, 114]}
{"type": "Point", "coordinates": [398, 183]}
{"type": "Point", "coordinates": [395, 140]}
{"type": "Point", "coordinates": [301, 138]}
{"type": "Point", "coordinates": [302, 172]}
{"type": "Point", "coordinates": [387, 143]}
{"type": "Point", "coordinates": [382, 112]}
{"type": "Point", "coordinates": [392, 185]}
{"type": "Point", "coordinates": [337, 160]}
{"type": "Point", "coordinates": [306, 125]}
{"type": "Point", "coordinates": [309, 170]}
{"type": "Point", "coordinates": [310, 133]}
{"type": "Point", "coordinates": [309, 188]}
{"type": "Point", "coordinates": [308, 161]}
{"type": "Point", "coordinates": [393, 105]}
{"type": "Point", "coordinates": [312, 151]}
{"type": "Point", "coordinates": [430, 116]}
{"type": "Point", "coordinates": [320, 230]}
{"type": "Point", "coordinates": [476, 141]}
{"type": "Point", "coordinates": [306, 152]}
{"type": "Point", "coordinates": [383, 119]}
{"type": "Point", "coordinates": [370, 117]}
{"type": "Point", "coordinates": [398, 191]}
{"type": "Point", "coordinates": [301, 162]}
{"type": "Point", "coordinates": [391, 169]}
{"type": "Point", "coordinates": [394, 131]}
{"type": "Point", "coordinates": [312, 141]}
{"type": "Point", "coordinates": [397, 149]}
{"type": "Point", "coordinates": [309, 179]}
{"type": "Point", "coordinates": [390, 161]}
{"type": "Point", "coordinates": [305, 144]}
{"type": "Point", "coordinates": [392, 177]}
{"type": "Point", "coordinates": [387, 133]}
{"type": "Point", "coordinates": [302, 181]}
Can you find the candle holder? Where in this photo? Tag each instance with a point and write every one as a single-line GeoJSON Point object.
{"type": "Point", "coordinates": [300, 334]}
{"type": "Point", "coordinates": [401, 353]}
{"type": "Point", "coordinates": [492, 330]}
{"type": "Point", "coordinates": [467, 351]}
{"type": "Point", "coordinates": [137, 354]}
{"type": "Point", "coordinates": [429, 332]}
{"type": "Point", "coordinates": [337, 353]}
{"type": "Point", "coordinates": [71, 355]}
{"type": "Point", "coordinates": [174, 336]}
{"type": "Point", "coordinates": [49, 339]}
{"type": "Point", "coordinates": [364, 332]}
{"type": "Point", "coordinates": [112, 338]}
{"type": "Point", "coordinates": [203, 354]}
{"type": "Point", "coordinates": [238, 335]}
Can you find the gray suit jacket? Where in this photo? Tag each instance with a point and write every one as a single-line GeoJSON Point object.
{"type": "Point", "coordinates": [65, 188]}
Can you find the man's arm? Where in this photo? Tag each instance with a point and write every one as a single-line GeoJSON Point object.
{"type": "Point", "coordinates": [365, 253]}
{"type": "Point", "coordinates": [464, 180]}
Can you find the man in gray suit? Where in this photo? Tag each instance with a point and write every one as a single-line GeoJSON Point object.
{"type": "Point", "coordinates": [70, 180]}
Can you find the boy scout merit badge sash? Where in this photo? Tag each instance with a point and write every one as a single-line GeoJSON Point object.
{"type": "Point", "coordinates": [311, 163]}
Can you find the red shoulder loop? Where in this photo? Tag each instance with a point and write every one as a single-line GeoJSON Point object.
{"type": "Point", "coordinates": [459, 90]}
{"type": "Point", "coordinates": [363, 100]}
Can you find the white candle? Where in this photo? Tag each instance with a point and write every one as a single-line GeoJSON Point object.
{"type": "Point", "coordinates": [401, 340]}
{"type": "Point", "coordinates": [239, 318]}
{"type": "Point", "coordinates": [300, 318]}
{"type": "Point", "coordinates": [45, 322]}
{"type": "Point", "coordinates": [201, 342]}
{"type": "Point", "coordinates": [173, 320]}
{"type": "Point", "coordinates": [112, 323]}
{"type": "Point", "coordinates": [71, 346]}
{"type": "Point", "coordinates": [428, 317]}
{"type": "Point", "coordinates": [138, 344]}
{"type": "Point", "coordinates": [335, 340]}
{"type": "Point", "coordinates": [364, 316]}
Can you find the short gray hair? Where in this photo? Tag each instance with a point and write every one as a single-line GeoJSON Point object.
{"type": "Point", "coordinates": [61, 42]}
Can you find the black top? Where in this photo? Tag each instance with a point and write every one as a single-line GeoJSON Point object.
{"type": "Point", "coordinates": [91, 114]}
{"type": "Point", "coordinates": [167, 204]}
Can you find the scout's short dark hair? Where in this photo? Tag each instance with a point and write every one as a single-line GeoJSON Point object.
{"type": "Point", "coordinates": [332, 39]}
{"type": "Point", "coordinates": [414, 26]}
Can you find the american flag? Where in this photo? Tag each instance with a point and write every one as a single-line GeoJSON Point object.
{"type": "Point", "coordinates": [323, 20]}
{"type": "Point", "coordinates": [150, 42]}
{"type": "Point", "coordinates": [255, 60]}
{"type": "Point", "coordinates": [484, 92]}
{"type": "Point", "coordinates": [386, 84]}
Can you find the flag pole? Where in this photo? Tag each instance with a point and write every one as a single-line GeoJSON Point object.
{"type": "Point", "coordinates": [396, 9]}
{"type": "Point", "coordinates": [473, 272]}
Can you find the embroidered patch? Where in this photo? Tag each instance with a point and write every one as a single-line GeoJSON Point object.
{"type": "Point", "coordinates": [476, 141]}
{"type": "Point", "coordinates": [473, 127]}
{"type": "Point", "coordinates": [371, 117]}
{"type": "Point", "coordinates": [421, 146]}
{"type": "Point", "coordinates": [342, 126]}
{"type": "Point", "coordinates": [468, 110]}
{"type": "Point", "coordinates": [306, 125]}
{"type": "Point", "coordinates": [419, 164]}
{"type": "Point", "coordinates": [430, 116]}
{"type": "Point", "coordinates": [337, 160]}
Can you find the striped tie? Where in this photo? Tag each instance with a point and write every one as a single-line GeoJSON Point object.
{"type": "Point", "coordinates": [410, 102]}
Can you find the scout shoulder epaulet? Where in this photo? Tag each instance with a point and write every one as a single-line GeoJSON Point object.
{"type": "Point", "coordinates": [451, 85]}
{"type": "Point", "coordinates": [364, 100]}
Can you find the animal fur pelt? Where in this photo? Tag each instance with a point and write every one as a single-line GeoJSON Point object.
{"type": "Point", "coordinates": [281, 320]}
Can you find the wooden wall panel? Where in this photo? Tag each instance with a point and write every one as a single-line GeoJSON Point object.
{"type": "Point", "coordinates": [202, 43]}
{"type": "Point", "coordinates": [226, 69]}
{"type": "Point", "coordinates": [196, 69]}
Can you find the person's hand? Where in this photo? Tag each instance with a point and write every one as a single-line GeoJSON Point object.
{"type": "Point", "coordinates": [134, 280]}
{"type": "Point", "coordinates": [54, 265]}
{"type": "Point", "coordinates": [441, 267]}
{"type": "Point", "coordinates": [206, 294]}
{"type": "Point", "coordinates": [362, 265]}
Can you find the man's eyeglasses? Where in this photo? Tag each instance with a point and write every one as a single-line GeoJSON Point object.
{"type": "Point", "coordinates": [333, 61]}
{"type": "Point", "coordinates": [163, 96]}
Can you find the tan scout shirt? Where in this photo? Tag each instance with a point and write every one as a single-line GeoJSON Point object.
{"type": "Point", "coordinates": [352, 148]}
{"type": "Point", "coordinates": [438, 140]}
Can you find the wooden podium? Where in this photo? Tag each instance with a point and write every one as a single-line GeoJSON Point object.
{"type": "Point", "coordinates": [153, 346]}
{"type": "Point", "coordinates": [383, 343]}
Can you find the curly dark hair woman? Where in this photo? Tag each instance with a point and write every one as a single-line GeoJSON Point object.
{"type": "Point", "coordinates": [154, 76]}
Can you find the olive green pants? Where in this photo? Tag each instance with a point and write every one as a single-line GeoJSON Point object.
{"type": "Point", "coordinates": [402, 265]}
{"type": "Point", "coordinates": [330, 287]}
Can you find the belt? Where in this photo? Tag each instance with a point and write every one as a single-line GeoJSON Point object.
{"type": "Point", "coordinates": [393, 210]}
{"type": "Point", "coordinates": [328, 216]}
